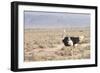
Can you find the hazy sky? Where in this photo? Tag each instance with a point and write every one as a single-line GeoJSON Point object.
{"type": "Point", "coordinates": [55, 19]}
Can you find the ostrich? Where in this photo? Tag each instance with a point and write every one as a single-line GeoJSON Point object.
{"type": "Point", "coordinates": [71, 41]}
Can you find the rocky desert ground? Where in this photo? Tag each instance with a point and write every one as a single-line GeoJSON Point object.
{"type": "Point", "coordinates": [46, 44]}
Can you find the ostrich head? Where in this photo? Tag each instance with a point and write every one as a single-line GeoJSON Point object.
{"type": "Point", "coordinates": [64, 34]}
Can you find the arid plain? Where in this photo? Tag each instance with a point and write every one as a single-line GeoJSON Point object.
{"type": "Point", "coordinates": [46, 44]}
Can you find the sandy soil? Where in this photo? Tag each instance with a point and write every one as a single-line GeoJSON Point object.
{"type": "Point", "coordinates": [46, 44]}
